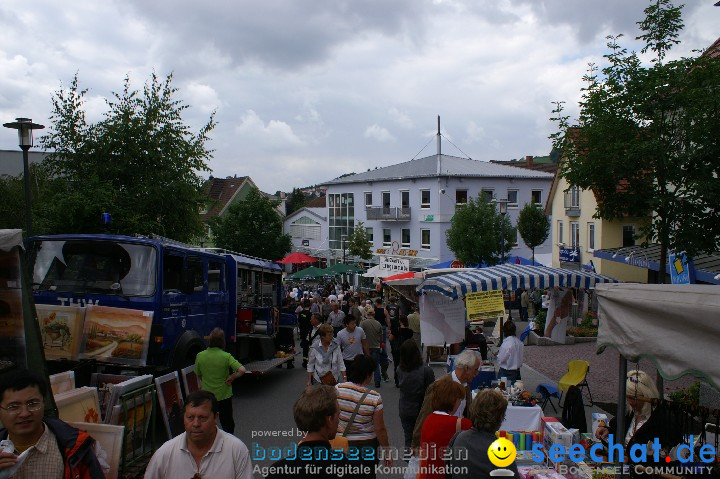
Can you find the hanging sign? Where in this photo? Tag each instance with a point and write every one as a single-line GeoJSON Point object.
{"type": "Point", "coordinates": [483, 305]}
{"type": "Point", "coordinates": [390, 263]}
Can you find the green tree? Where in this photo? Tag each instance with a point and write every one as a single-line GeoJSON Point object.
{"type": "Point", "coordinates": [141, 163]}
{"type": "Point", "coordinates": [43, 186]}
{"type": "Point", "coordinates": [295, 201]}
{"type": "Point", "coordinates": [477, 231]}
{"type": "Point", "coordinates": [533, 226]}
{"type": "Point", "coordinates": [646, 141]}
{"type": "Point", "coordinates": [358, 243]}
{"type": "Point", "coordinates": [252, 227]}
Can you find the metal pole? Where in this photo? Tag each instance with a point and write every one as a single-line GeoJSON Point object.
{"type": "Point", "coordinates": [26, 170]}
{"type": "Point", "coordinates": [622, 393]}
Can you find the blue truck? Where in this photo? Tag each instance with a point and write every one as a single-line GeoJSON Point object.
{"type": "Point", "coordinates": [182, 291]}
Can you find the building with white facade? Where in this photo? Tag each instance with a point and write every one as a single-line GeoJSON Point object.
{"type": "Point", "coordinates": [407, 208]}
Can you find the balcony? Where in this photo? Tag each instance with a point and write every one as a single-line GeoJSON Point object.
{"type": "Point", "coordinates": [388, 214]}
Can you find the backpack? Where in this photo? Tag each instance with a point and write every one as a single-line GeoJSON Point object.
{"type": "Point", "coordinates": [573, 415]}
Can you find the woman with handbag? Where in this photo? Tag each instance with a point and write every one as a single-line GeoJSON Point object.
{"type": "Point", "coordinates": [325, 364]}
{"type": "Point", "coordinates": [361, 413]}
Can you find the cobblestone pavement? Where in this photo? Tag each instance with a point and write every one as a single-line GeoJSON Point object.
{"type": "Point", "coordinates": [603, 377]}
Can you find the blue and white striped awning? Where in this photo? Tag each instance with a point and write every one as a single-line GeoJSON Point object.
{"type": "Point", "coordinates": [509, 276]}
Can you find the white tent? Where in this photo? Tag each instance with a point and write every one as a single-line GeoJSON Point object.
{"type": "Point", "coordinates": [675, 326]}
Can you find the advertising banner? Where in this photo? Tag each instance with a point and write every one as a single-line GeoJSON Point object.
{"type": "Point", "coordinates": [483, 305]}
{"type": "Point", "coordinates": [398, 265]}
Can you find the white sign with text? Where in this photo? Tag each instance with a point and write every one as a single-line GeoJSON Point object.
{"type": "Point", "coordinates": [390, 263]}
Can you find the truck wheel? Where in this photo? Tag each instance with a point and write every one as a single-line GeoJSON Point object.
{"type": "Point", "coordinates": [187, 347]}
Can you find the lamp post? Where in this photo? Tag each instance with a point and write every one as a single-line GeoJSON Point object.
{"type": "Point", "coordinates": [25, 126]}
{"type": "Point", "coordinates": [343, 238]}
{"type": "Point", "coordinates": [502, 207]}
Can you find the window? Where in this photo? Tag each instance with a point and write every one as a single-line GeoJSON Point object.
{"type": "Point", "coordinates": [369, 234]}
{"type": "Point", "coordinates": [405, 199]}
{"type": "Point", "coordinates": [512, 197]}
{"type": "Point", "coordinates": [488, 194]}
{"type": "Point", "coordinates": [572, 197]}
{"type": "Point", "coordinates": [425, 199]}
{"type": "Point", "coordinates": [385, 199]}
{"type": "Point", "coordinates": [172, 272]}
{"type": "Point", "coordinates": [628, 235]}
{"type": "Point", "coordinates": [536, 197]}
{"type": "Point", "coordinates": [341, 218]}
{"type": "Point", "coordinates": [591, 236]}
{"type": "Point", "coordinates": [425, 239]}
{"type": "Point", "coordinates": [368, 198]}
{"type": "Point", "coordinates": [561, 235]}
{"type": "Point", "coordinates": [461, 197]}
{"type": "Point", "coordinates": [515, 237]}
{"type": "Point", "coordinates": [405, 238]}
{"type": "Point", "coordinates": [196, 277]}
{"type": "Point", "coordinates": [574, 234]}
{"type": "Point", "coordinates": [387, 239]}
{"type": "Point", "coordinates": [216, 276]}
{"type": "Point", "coordinates": [305, 228]}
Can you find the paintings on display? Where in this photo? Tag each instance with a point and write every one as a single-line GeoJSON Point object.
{"type": "Point", "coordinates": [62, 382]}
{"type": "Point", "coordinates": [136, 421]}
{"type": "Point", "coordinates": [61, 330]}
{"type": "Point", "coordinates": [116, 334]}
{"type": "Point", "coordinates": [108, 445]}
{"type": "Point", "coordinates": [171, 403]}
{"type": "Point", "coordinates": [80, 405]}
{"type": "Point", "coordinates": [191, 383]}
{"type": "Point", "coordinates": [120, 389]}
{"type": "Point", "coordinates": [104, 383]}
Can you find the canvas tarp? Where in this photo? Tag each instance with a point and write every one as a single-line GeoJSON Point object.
{"type": "Point", "coordinates": [675, 326]}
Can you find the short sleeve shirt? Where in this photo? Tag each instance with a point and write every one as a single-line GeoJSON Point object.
{"type": "Point", "coordinates": [213, 366]}
{"type": "Point", "coordinates": [362, 427]}
{"type": "Point", "coordinates": [351, 343]}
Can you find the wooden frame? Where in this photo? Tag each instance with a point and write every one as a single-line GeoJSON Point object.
{"type": "Point", "coordinates": [79, 405]}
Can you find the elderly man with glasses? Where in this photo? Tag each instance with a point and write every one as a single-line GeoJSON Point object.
{"type": "Point", "coordinates": [53, 448]}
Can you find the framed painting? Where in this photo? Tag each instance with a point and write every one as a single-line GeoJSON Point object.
{"type": "Point", "coordinates": [61, 330]}
{"type": "Point", "coordinates": [116, 334]}
{"type": "Point", "coordinates": [62, 382]}
{"type": "Point", "coordinates": [124, 387]}
{"type": "Point", "coordinates": [171, 403]}
{"type": "Point", "coordinates": [9, 270]}
{"type": "Point", "coordinates": [103, 383]}
{"type": "Point", "coordinates": [191, 382]}
{"type": "Point", "coordinates": [79, 405]}
{"type": "Point", "coordinates": [136, 423]}
{"type": "Point", "coordinates": [108, 445]}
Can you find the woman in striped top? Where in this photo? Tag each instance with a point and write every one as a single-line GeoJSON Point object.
{"type": "Point", "coordinates": [367, 428]}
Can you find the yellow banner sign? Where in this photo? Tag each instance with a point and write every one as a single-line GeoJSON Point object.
{"type": "Point", "coordinates": [484, 305]}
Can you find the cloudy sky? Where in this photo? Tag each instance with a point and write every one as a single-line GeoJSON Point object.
{"type": "Point", "coordinates": [306, 90]}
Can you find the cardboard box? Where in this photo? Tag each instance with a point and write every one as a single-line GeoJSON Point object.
{"type": "Point", "coordinates": [543, 421]}
{"type": "Point", "coordinates": [598, 419]}
{"type": "Point", "coordinates": [556, 433]}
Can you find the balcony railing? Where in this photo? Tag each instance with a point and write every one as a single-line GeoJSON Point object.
{"type": "Point", "coordinates": [388, 214]}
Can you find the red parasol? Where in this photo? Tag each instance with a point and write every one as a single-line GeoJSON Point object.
{"type": "Point", "coordinates": [297, 258]}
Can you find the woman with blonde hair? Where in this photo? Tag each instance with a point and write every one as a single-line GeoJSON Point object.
{"type": "Point", "coordinates": [325, 364]}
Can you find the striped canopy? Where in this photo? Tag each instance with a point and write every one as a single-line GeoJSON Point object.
{"type": "Point", "coordinates": [509, 276]}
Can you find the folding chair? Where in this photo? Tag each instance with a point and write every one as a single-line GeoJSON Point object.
{"type": "Point", "coordinates": [576, 376]}
{"type": "Point", "coordinates": [548, 391]}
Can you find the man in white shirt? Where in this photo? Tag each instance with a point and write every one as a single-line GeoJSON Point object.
{"type": "Point", "coordinates": [337, 318]}
{"type": "Point", "coordinates": [510, 355]}
{"type": "Point", "coordinates": [203, 449]}
{"type": "Point", "coordinates": [352, 341]}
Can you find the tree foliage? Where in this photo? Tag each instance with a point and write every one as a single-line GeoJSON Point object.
{"type": "Point", "coordinates": [647, 140]}
{"type": "Point", "coordinates": [476, 233]}
{"type": "Point", "coordinates": [533, 226]}
{"type": "Point", "coordinates": [253, 227]}
{"type": "Point", "coordinates": [141, 163]}
{"type": "Point", "coordinates": [359, 244]}
{"type": "Point", "coordinates": [295, 201]}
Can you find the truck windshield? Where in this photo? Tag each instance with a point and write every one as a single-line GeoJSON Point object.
{"type": "Point", "coordinates": [101, 267]}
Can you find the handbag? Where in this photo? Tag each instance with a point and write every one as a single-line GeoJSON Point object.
{"type": "Point", "coordinates": [328, 379]}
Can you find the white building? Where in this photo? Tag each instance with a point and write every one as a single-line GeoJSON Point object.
{"type": "Point", "coordinates": [407, 208]}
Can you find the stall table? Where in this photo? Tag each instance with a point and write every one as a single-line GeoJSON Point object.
{"type": "Point", "coordinates": [522, 418]}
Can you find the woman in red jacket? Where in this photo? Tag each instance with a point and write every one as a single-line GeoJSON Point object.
{"type": "Point", "coordinates": [440, 427]}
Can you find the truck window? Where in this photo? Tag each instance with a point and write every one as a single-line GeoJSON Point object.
{"type": "Point", "coordinates": [172, 272]}
{"type": "Point", "coordinates": [216, 276]}
{"type": "Point", "coordinates": [195, 275]}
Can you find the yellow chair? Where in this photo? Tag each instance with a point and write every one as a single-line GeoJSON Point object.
{"type": "Point", "coordinates": [576, 376]}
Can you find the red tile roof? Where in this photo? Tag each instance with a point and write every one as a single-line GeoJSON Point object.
{"type": "Point", "coordinates": [318, 202]}
{"type": "Point", "coordinates": [220, 191]}
{"type": "Point", "coordinates": [713, 50]}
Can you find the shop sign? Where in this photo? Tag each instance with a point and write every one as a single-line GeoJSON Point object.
{"type": "Point", "coordinates": [570, 255]}
{"type": "Point", "coordinates": [390, 263]}
{"type": "Point", "coordinates": [483, 305]}
{"type": "Point", "coordinates": [306, 242]}
{"type": "Point", "coordinates": [682, 269]}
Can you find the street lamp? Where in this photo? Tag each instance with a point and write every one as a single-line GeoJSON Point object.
{"type": "Point", "coordinates": [502, 207]}
{"type": "Point", "coordinates": [25, 126]}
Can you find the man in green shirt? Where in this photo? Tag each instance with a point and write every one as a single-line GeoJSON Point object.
{"type": "Point", "coordinates": [213, 366]}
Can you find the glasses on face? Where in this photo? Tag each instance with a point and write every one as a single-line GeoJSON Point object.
{"type": "Point", "coordinates": [15, 408]}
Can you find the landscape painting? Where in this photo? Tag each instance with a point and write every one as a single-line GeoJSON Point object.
{"type": "Point", "coordinates": [61, 330]}
{"type": "Point", "coordinates": [116, 334]}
